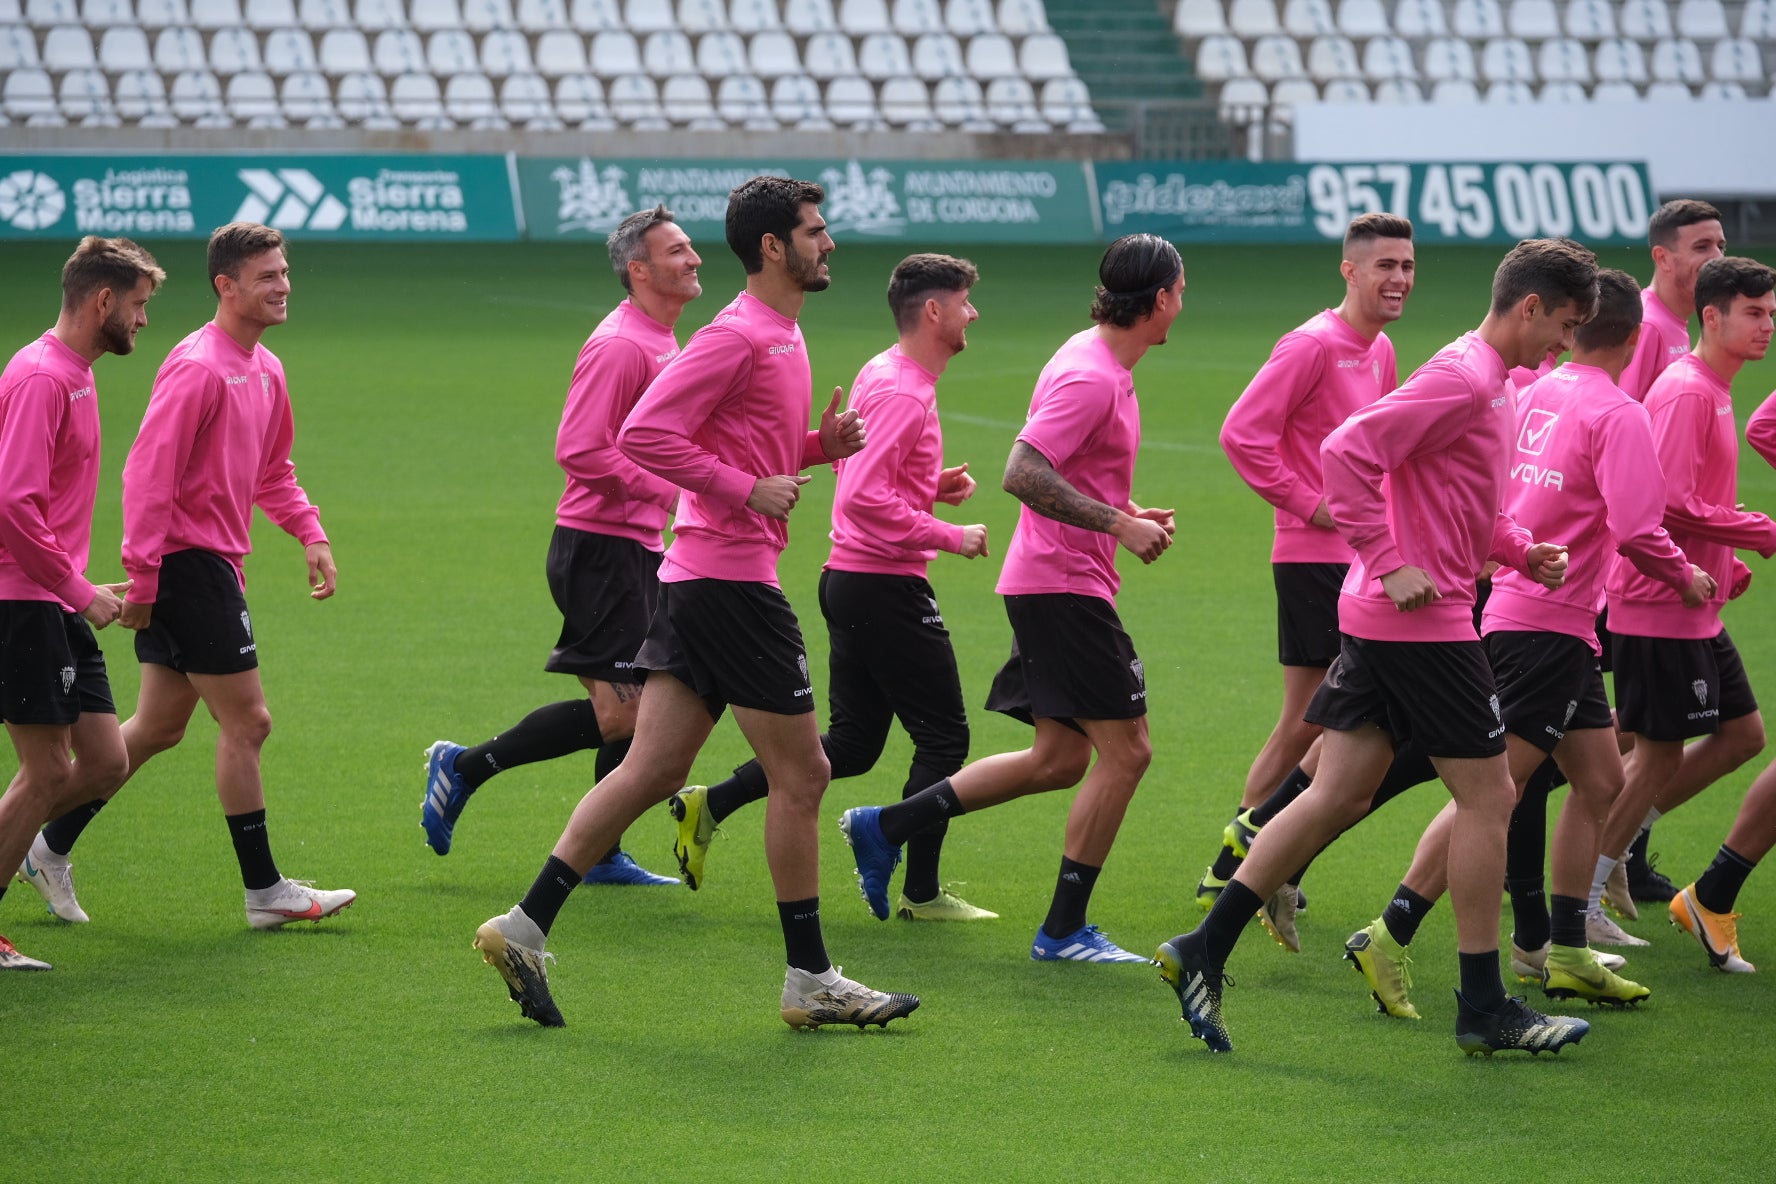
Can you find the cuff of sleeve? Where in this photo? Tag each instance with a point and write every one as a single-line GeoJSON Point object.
{"type": "Point", "coordinates": [1302, 503]}
{"type": "Point", "coordinates": [76, 591]}
{"type": "Point", "coordinates": [730, 485]}
{"type": "Point", "coordinates": [813, 455]}
{"type": "Point", "coordinates": [1381, 557]}
{"type": "Point", "coordinates": [144, 586]}
{"type": "Point", "coordinates": [949, 537]}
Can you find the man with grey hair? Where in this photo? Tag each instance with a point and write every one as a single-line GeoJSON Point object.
{"type": "Point", "coordinates": [605, 553]}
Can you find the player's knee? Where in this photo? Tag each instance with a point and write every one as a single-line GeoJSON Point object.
{"type": "Point", "coordinates": [1058, 770]}
{"type": "Point", "coordinates": [252, 728]}
{"type": "Point", "coordinates": [616, 721]}
{"type": "Point", "coordinates": [851, 756]}
{"type": "Point", "coordinates": [1746, 738]}
{"type": "Point", "coordinates": [102, 772]}
{"type": "Point", "coordinates": [941, 755]}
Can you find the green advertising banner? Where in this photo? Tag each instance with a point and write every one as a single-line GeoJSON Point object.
{"type": "Point", "coordinates": [404, 198]}
{"type": "Point", "coordinates": [888, 200]}
{"type": "Point", "coordinates": [1602, 204]}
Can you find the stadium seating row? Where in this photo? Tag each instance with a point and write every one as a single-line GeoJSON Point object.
{"type": "Point", "coordinates": [1475, 20]}
{"type": "Point", "coordinates": [1501, 59]}
{"type": "Point", "coordinates": [199, 98]}
{"type": "Point", "coordinates": [961, 18]}
{"type": "Point", "coordinates": [234, 49]}
{"type": "Point", "coordinates": [1246, 100]}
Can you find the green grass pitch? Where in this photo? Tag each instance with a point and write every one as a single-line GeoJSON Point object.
{"type": "Point", "coordinates": [171, 1042]}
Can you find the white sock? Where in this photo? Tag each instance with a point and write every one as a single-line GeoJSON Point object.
{"type": "Point", "coordinates": [1647, 824]}
{"type": "Point", "coordinates": [41, 854]}
{"type": "Point", "coordinates": [1605, 865]}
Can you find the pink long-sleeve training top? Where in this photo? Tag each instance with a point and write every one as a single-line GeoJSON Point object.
{"type": "Point", "coordinates": [49, 473]}
{"type": "Point", "coordinates": [215, 442]}
{"type": "Point", "coordinates": [1315, 378]}
{"type": "Point", "coordinates": [1442, 442]}
{"type": "Point", "coordinates": [1760, 430]}
{"type": "Point", "coordinates": [1086, 421]}
{"type": "Point", "coordinates": [1664, 338]}
{"type": "Point", "coordinates": [881, 519]}
{"type": "Point", "coordinates": [729, 410]}
{"type": "Point", "coordinates": [1698, 446]}
{"type": "Point", "coordinates": [606, 492]}
{"type": "Point", "coordinates": [1584, 473]}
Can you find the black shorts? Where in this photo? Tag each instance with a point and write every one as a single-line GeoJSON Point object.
{"type": "Point", "coordinates": [1307, 612]}
{"type": "Point", "coordinates": [891, 658]}
{"type": "Point", "coordinates": [1670, 688]}
{"type": "Point", "coordinates": [200, 623]}
{"type": "Point", "coordinates": [607, 589]}
{"type": "Point", "coordinates": [1070, 660]}
{"type": "Point", "coordinates": [51, 667]}
{"type": "Point", "coordinates": [1549, 684]}
{"type": "Point", "coordinates": [733, 642]}
{"type": "Point", "coordinates": [1435, 695]}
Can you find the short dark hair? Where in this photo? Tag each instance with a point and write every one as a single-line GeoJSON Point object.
{"type": "Point", "coordinates": [114, 263]}
{"type": "Point", "coordinates": [1618, 312]}
{"type": "Point", "coordinates": [1558, 270]}
{"type": "Point", "coordinates": [237, 242]}
{"type": "Point", "coordinates": [1130, 277]}
{"type": "Point", "coordinates": [626, 242]}
{"type": "Point", "coordinates": [1367, 227]}
{"type": "Point", "coordinates": [1721, 280]}
{"type": "Point", "coordinates": [766, 205]}
{"type": "Point", "coordinates": [917, 277]}
{"type": "Point", "coordinates": [1673, 216]}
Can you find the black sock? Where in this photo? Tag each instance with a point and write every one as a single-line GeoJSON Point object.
{"type": "Point", "coordinates": [1404, 914]}
{"type": "Point", "coordinates": [1226, 863]}
{"type": "Point", "coordinates": [610, 755]}
{"type": "Point", "coordinates": [1221, 929]}
{"type": "Point", "coordinates": [549, 892]}
{"type": "Point", "coordinates": [545, 734]}
{"type": "Point", "coordinates": [1481, 985]}
{"type": "Point", "coordinates": [252, 848]}
{"type": "Point", "coordinates": [909, 816]}
{"type": "Point", "coordinates": [1287, 790]}
{"type": "Point", "coordinates": [803, 946]}
{"type": "Point", "coordinates": [746, 785]}
{"type": "Point", "coordinates": [1637, 850]}
{"type": "Point", "coordinates": [1718, 888]}
{"type": "Point", "coordinates": [1566, 923]}
{"type": "Point", "coordinates": [1073, 891]}
{"type": "Point", "coordinates": [1529, 912]}
{"type": "Point", "coordinates": [61, 833]}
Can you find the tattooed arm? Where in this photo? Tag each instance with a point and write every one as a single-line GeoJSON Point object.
{"type": "Point", "coordinates": [1032, 480]}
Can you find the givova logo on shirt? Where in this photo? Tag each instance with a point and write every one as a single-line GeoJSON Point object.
{"type": "Point", "coordinates": [289, 199]}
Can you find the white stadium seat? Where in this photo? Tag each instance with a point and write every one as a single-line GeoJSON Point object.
{"type": "Point", "coordinates": [252, 98]}
{"type": "Point", "coordinates": [1066, 102]}
{"type": "Point", "coordinates": [49, 13]}
{"type": "Point", "coordinates": [428, 16]}
{"type": "Point", "coordinates": [1289, 94]}
{"type": "Point", "coordinates": [911, 18]}
{"type": "Point", "coordinates": [396, 52]}
{"type": "Point", "coordinates": [1398, 91]}
{"type": "Point", "coordinates": [937, 55]}
{"type": "Point", "coordinates": [1621, 60]}
{"type": "Point", "coordinates": [1220, 58]}
{"type": "Point", "coordinates": [306, 96]}
{"type": "Point", "coordinates": [362, 97]}
{"type": "Point", "coordinates": [1346, 90]}
{"type": "Point", "coordinates": [1333, 56]}
{"type": "Point", "coordinates": [1506, 59]}
{"type": "Point", "coordinates": [1478, 20]}
{"type": "Point", "coordinates": [290, 51]}
{"type": "Point", "coordinates": [1450, 58]}
{"type": "Point", "coordinates": [906, 104]}
{"type": "Point", "coordinates": [415, 98]}
{"type": "Point", "coordinates": [18, 49]}
{"type": "Point", "coordinates": [344, 51]}
{"type": "Point", "coordinates": [97, 14]}
{"type": "Point", "coordinates": [1563, 60]}
{"type": "Point", "coordinates": [559, 53]}
{"type": "Point", "coordinates": [1730, 92]}
{"type": "Point", "coordinates": [120, 49]}
{"type": "Point", "coordinates": [579, 100]}
{"type": "Point", "coordinates": [851, 101]}
{"type": "Point", "coordinates": [373, 16]}
{"type": "Point", "coordinates": [1615, 92]}
{"type": "Point", "coordinates": [1020, 18]}
{"type": "Point", "coordinates": [1199, 18]}
{"type": "Point", "coordinates": [861, 18]}
{"type": "Point", "coordinates": [753, 16]}
{"type": "Point", "coordinates": [85, 96]}
{"type": "Point", "coordinates": [505, 52]}
{"type": "Point", "coordinates": [234, 51]}
{"type": "Point", "coordinates": [140, 97]}
{"type": "Point", "coordinates": [796, 101]}
{"type": "Point", "coordinates": [68, 47]}
{"type": "Point", "coordinates": [805, 18]}
{"type": "Point", "coordinates": [1701, 20]}
{"type": "Point", "coordinates": [614, 52]}
{"type": "Point", "coordinates": [635, 100]}
{"type": "Point", "coordinates": [1044, 56]}
{"type": "Point", "coordinates": [452, 51]}
{"type": "Point", "coordinates": [196, 95]}
{"type": "Point", "coordinates": [265, 15]}
{"type": "Point", "coordinates": [649, 16]}
{"type": "Point", "coordinates": [1277, 57]}
{"type": "Point", "coordinates": [742, 100]}
{"type": "Point", "coordinates": [686, 99]}
{"type": "Point", "coordinates": [1757, 20]}
{"type": "Point", "coordinates": [1249, 19]}
{"type": "Point", "coordinates": [884, 55]}
{"type": "Point", "coordinates": [29, 93]}
{"type": "Point", "coordinates": [1678, 60]}
{"type": "Point", "coordinates": [721, 53]}
{"type": "Point", "coordinates": [668, 52]}
{"type": "Point", "coordinates": [1534, 20]}
{"type": "Point", "coordinates": [213, 14]}
{"type": "Point", "coordinates": [317, 16]}
{"type": "Point", "coordinates": [1590, 20]}
{"type": "Point", "coordinates": [970, 18]}
{"type": "Point", "coordinates": [1563, 92]}
{"type": "Point", "coordinates": [1736, 60]}
{"type": "Point", "coordinates": [959, 103]}
{"type": "Point", "coordinates": [592, 16]}
{"type": "Point", "coordinates": [1309, 18]}
{"type": "Point", "coordinates": [1243, 100]}
{"type": "Point", "coordinates": [1454, 90]}
{"type": "Point", "coordinates": [1513, 91]}
{"type": "Point", "coordinates": [179, 49]}
{"type": "Point", "coordinates": [772, 54]}
{"type": "Point", "coordinates": [830, 55]}
{"type": "Point", "coordinates": [702, 16]}
{"type": "Point", "coordinates": [1420, 19]}
{"type": "Point", "coordinates": [990, 55]}
{"type": "Point", "coordinates": [485, 16]}
{"type": "Point", "coordinates": [1363, 18]}
{"type": "Point", "coordinates": [1669, 92]}
{"type": "Point", "coordinates": [1012, 103]}
{"type": "Point", "coordinates": [1388, 57]}
{"type": "Point", "coordinates": [524, 100]}
{"type": "Point", "coordinates": [541, 16]}
{"type": "Point", "coordinates": [1646, 20]}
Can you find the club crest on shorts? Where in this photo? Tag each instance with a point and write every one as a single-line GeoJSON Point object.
{"type": "Point", "coordinates": [67, 679]}
{"type": "Point", "coordinates": [1493, 702]}
{"type": "Point", "coordinates": [247, 624]}
{"type": "Point", "coordinates": [1700, 687]}
{"type": "Point", "coordinates": [1572, 706]}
